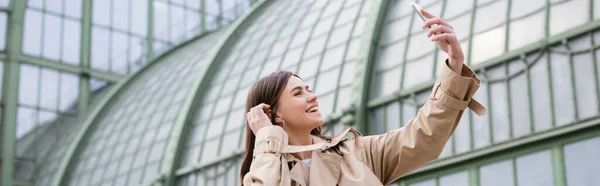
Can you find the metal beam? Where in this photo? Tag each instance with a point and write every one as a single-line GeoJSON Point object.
{"type": "Point", "coordinates": [75, 69]}
{"type": "Point", "coordinates": [10, 87]}
{"type": "Point", "coordinates": [86, 32]}
{"type": "Point", "coordinates": [366, 61]}
{"type": "Point", "coordinates": [173, 152]}
{"type": "Point", "coordinates": [150, 32]}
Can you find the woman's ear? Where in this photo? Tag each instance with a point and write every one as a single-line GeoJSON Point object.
{"type": "Point", "coordinates": [279, 121]}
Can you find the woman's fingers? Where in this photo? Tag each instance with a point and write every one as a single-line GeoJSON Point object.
{"type": "Point", "coordinates": [427, 14]}
{"type": "Point", "coordinates": [450, 37]}
{"type": "Point", "coordinates": [440, 29]}
{"type": "Point", "coordinates": [257, 118]}
{"type": "Point", "coordinates": [436, 21]}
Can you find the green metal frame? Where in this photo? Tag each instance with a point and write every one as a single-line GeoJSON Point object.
{"type": "Point", "coordinates": [74, 69]}
{"type": "Point", "coordinates": [492, 62]}
{"type": "Point", "coordinates": [365, 62]}
{"type": "Point", "coordinates": [174, 150]}
{"type": "Point", "coordinates": [10, 87]}
{"type": "Point", "coordinates": [89, 124]}
{"type": "Point", "coordinates": [553, 143]}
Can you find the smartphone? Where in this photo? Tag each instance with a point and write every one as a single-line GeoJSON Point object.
{"type": "Point", "coordinates": [418, 9]}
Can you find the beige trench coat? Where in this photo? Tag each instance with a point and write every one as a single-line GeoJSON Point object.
{"type": "Point", "coordinates": [368, 160]}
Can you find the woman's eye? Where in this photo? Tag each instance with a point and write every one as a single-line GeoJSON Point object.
{"type": "Point", "coordinates": [297, 93]}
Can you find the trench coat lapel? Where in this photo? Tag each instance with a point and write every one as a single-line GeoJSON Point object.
{"type": "Point", "coordinates": [325, 168]}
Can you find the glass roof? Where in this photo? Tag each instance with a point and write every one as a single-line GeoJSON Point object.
{"type": "Point", "coordinates": [131, 135]}
{"type": "Point", "coordinates": [318, 41]}
{"type": "Point", "coordinates": [73, 50]}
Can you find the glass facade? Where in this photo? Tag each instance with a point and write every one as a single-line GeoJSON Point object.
{"type": "Point", "coordinates": [152, 92]}
{"type": "Point", "coordinates": [61, 57]}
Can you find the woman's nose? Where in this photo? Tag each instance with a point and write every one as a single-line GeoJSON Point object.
{"type": "Point", "coordinates": [312, 97]}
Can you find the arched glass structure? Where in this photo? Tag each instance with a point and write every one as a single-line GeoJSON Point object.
{"type": "Point", "coordinates": [152, 92]}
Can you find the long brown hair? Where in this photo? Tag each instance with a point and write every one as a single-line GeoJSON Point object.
{"type": "Point", "coordinates": [266, 90]}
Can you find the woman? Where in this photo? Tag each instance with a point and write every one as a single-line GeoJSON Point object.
{"type": "Point", "coordinates": [284, 145]}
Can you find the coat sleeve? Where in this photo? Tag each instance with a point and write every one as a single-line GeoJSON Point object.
{"type": "Point", "coordinates": [266, 167]}
{"type": "Point", "coordinates": [421, 140]}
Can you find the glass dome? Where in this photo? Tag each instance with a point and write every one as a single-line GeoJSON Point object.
{"type": "Point", "coordinates": [153, 92]}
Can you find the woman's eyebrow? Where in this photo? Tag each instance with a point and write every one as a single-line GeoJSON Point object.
{"type": "Point", "coordinates": [300, 87]}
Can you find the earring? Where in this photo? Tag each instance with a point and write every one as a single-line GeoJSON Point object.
{"type": "Point", "coordinates": [279, 121]}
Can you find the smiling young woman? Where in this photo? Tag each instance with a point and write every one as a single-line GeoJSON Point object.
{"type": "Point", "coordinates": [284, 145]}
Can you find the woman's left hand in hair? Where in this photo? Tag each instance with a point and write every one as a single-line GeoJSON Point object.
{"type": "Point", "coordinates": [257, 117]}
{"type": "Point", "coordinates": [442, 33]}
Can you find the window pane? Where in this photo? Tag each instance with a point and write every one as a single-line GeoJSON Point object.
{"type": "Point", "coordinates": [396, 30]}
{"type": "Point", "coordinates": [343, 98]}
{"type": "Point", "coordinates": [327, 81]}
{"type": "Point", "coordinates": [487, 17]}
{"type": "Point", "coordinates": [193, 23]}
{"type": "Point", "coordinates": [52, 34]}
{"type": "Point", "coordinates": [535, 169]}
{"type": "Point", "coordinates": [69, 89]}
{"type": "Point", "coordinates": [161, 23]}
{"type": "Point", "coordinates": [391, 55]}
{"type": "Point", "coordinates": [461, 24]}
{"type": "Point", "coordinates": [28, 85]}
{"type": "Point", "coordinates": [26, 121]}
{"type": "Point", "coordinates": [585, 84]}
{"type": "Point", "coordinates": [54, 5]}
{"type": "Point", "coordinates": [499, 106]}
{"type": "Point", "coordinates": [71, 42]}
{"type": "Point", "coordinates": [49, 89]}
{"type": "Point", "coordinates": [118, 58]}
{"type": "Point", "coordinates": [535, 26]}
{"type": "Point", "coordinates": [519, 100]}
{"type": "Point", "coordinates": [456, 179]}
{"type": "Point", "coordinates": [456, 7]}
{"type": "Point", "coordinates": [32, 37]}
{"type": "Point", "coordinates": [562, 89]}
{"type": "Point", "coordinates": [539, 87]}
{"type": "Point", "coordinates": [309, 67]}
{"type": "Point", "coordinates": [462, 135]}
{"type": "Point", "coordinates": [177, 24]}
{"type": "Point", "coordinates": [560, 23]}
{"type": "Point", "coordinates": [101, 12]}
{"type": "Point", "coordinates": [3, 27]}
{"type": "Point", "coordinates": [387, 82]}
{"type": "Point", "coordinates": [581, 162]}
{"type": "Point", "coordinates": [120, 14]}
{"type": "Point", "coordinates": [73, 8]}
{"type": "Point", "coordinates": [100, 46]}
{"type": "Point", "coordinates": [4, 3]}
{"type": "Point", "coordinates": [488, 44]}
{"type": "Point", "coordinates": [417, 72]}
{"type": "Point", "coordinates": [376, 125]}
{"type": "Point", "coordinates": [139, 17]}
{"type": "Point", "coordinates": [209, 153]}
{"type": "Point", "coordinates": [348, 73]}
{"type": "Point", "coordinates": [340, 34]}
{"type": "Point", "coordinates": [499, 174]}
{"type": "Point", "coordinates": [326, 104]}
{"type": "Point", "coordinates": [332, 57]}
{"type": "Point", "coordinates": [215, 128]}
{"type": "Point", "coordinates": [393, 116]}
{"type": "Point", "coordinates": [481, 125]}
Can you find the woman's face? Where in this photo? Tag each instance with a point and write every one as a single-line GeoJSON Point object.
{"type": "Point", "coordinates": [298, 106]}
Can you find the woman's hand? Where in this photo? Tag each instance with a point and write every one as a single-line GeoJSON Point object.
{"type": "Point", "coordinates": [441, 32]}
{"type": "Point", "coordinates": [257, 117]}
